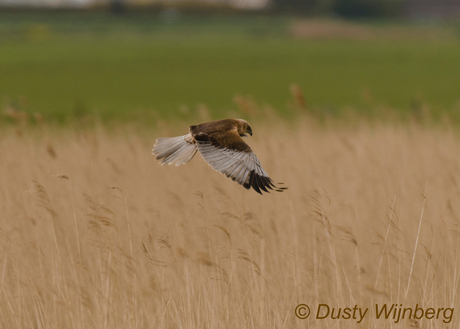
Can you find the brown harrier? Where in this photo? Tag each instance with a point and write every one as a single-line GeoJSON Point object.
{"type": "Point", "coordinates": [221, 146]}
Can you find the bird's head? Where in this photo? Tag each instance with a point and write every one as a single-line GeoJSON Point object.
{"type": "Point", "coordinates": [249, 130]}
{"type": "Point", "coordinates": [244, 128]}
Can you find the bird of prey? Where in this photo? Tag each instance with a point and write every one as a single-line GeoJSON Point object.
{"type": "Point", "coordinates": [221, 145]}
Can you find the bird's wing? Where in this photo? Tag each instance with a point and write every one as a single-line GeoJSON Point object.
{"type": "Point", "coordinates": [228, 154]}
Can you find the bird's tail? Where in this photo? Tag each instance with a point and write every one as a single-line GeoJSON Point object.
{"type": "Point", "coordinates": [178, 150]}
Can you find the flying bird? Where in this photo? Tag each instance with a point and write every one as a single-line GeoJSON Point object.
{"type": "Point", "coordinates": [221, 145]}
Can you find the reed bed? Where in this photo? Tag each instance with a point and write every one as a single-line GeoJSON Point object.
{"type": "Point", "coordinates": [94, 233]}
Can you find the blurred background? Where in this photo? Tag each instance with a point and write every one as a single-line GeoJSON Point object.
{"type": "Point", "coordinates": [149, 59]}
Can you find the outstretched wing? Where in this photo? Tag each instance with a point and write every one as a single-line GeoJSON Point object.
{"type": "Point", "coordinates": [228, 154]}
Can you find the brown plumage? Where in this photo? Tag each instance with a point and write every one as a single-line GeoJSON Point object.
{"type": "Point", "coordinates": [221, 146]}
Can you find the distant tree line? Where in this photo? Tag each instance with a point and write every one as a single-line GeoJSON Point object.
{"type": "Point", "coordinates": [346, 8]}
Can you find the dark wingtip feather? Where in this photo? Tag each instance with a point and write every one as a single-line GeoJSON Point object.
{"type": "Point", "coordinates": [279, 189]}
{"type": "Point", "coordinates": [268, 184]}
{"type": "Point", "coordinates": [264, 184]}
{"type": "Point", "coordinates": [253, 181]}
{"type": "Point", "coordinates": [255, 187]}
{"type": "Point", "coordinates": [260, 183]}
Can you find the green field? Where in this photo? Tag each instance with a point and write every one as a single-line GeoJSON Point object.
{"type": "Point", "coordinates": [63, 64]}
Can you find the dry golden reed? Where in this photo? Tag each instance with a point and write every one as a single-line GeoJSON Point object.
{"type": "Point", "coordinates": [95, 234]}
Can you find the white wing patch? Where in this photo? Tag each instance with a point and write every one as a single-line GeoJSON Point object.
{"type": "Point", "coordinates": [178, 150]}
{"type": "Point", "coordinates": [242, 167]}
